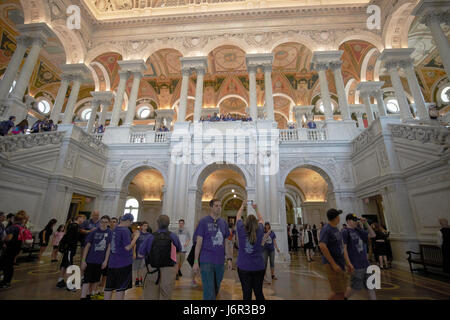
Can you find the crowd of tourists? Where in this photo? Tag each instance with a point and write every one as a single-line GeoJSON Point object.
{"type": "Point", "coordinates": [8, 127]}
{"type": "Point", "coordinates": [226, 117]}
{"type": "Point", "coordinates": [116, 250]}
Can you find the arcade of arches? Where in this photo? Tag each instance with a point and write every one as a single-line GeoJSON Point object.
{"type": "Point", "coordinates": [356, 118]}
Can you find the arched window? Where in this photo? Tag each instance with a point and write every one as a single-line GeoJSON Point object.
{"type": "Point", "coordinates": [132, 206]}
{"type": "Point", "coordinates": [144, 112]}
{"type": "Point", "coordinates": [392, 106]}
{"type": "Point", "coordinates": [43, 106]}
{"type": "Point", "coordinates": [86, 114]}
{"type": "Point", "coordinates": [445, 94]}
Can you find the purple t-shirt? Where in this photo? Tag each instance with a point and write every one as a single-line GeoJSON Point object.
{"type": "Point", "coordinates": [354, 239]}
{"type": "Point", "coordinates": [250, 256]}
{"type": "Point", "coordinates": [88, 225]}
{"type": "Point", "coordinates": [333, 239]}
{"type": "Point", "coordinates": [120, 257]}
{"type": "Point", "coordinates": [214, 235]}
{"type": "Point", "coordinates": [99, 241]}
{"type": "Point", "coordinates": [146, 246]}
{"type": "Point", "coordinates": [142, 237]}
{"type": "Point", "coordinates": [268, 245]}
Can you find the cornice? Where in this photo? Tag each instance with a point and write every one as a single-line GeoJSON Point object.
{"type": "Point", "coordinates": [229, 15]}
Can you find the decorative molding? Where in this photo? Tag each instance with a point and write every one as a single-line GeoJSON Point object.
{"type": "Point", "coordinates": [18, 142]}
{"type": "Point", "coordinates": [424, 134]}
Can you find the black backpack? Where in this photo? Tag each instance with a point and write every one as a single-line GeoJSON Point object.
{"type": "Point", "coordinates": [160, 253]}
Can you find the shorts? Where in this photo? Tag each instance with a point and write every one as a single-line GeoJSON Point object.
{"type": "Point", "coordinates": [119, 279]}
{"type": "Point", "coordinates": [93, 273]}
{"type": "Point", "coordinates": [138, 264]}
{"type": "Point", "coordinates": [105, 272]}
{"type": "Point", "coordinates": [181, 256]}
{"type": "Point", "coordinates": [358, 280]}
{"type": "Point", "coordinates": [67, 259]}
{"type": "Point", "coordinates": [338, 281]}
{"type": "Point", "coordinates": [42, 244]}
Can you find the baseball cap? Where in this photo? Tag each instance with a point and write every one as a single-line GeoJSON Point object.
{"type": "Point", "coordinates": [351, 216]}
{"type": "Point", "coordinates": [127, 216]}
{"type": "Point", "coordinates": [333, 213]}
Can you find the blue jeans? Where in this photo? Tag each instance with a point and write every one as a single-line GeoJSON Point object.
{"type": "Point", "coordinates": [212, 275]}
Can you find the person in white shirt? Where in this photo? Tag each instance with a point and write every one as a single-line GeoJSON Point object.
{"type": "Point", "coordinates": [185, 238]}
{"type": "Point", "coordinates": [308, 242]}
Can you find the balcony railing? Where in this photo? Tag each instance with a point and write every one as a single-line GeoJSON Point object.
{"type": "Point", "coordinates": [98, 136]}
{"type": "Point", "coordinates": [150, 137]}
{"type": "Point", "coordinates": [303, 134]}
{"type": "Point", "coordinates": [27, 141]}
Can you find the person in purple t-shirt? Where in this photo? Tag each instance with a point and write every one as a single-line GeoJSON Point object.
{"type": "Point", "coordinates": [88, 226]}
{"type": "Point", "coordinates": [139, 263]}
{"type": "Point", "coordinates": [250, 261]}
{"type": "Point", "coordinates": [269, 244]}
{"type": "Point", "coordinates": [212, 231]}
{"type": "Point", "coordinates": [354, 237]}
{"type": "Point", "coordinates": [119, 276]}
{"type": "Point", "coordinates": [330, 243]}
{"type": "Point", "coordinates": [95, 257]}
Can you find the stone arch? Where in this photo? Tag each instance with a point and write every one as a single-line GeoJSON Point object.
{"type": "Point", "coordinates": [232, 96]}
{"type": "Point", "coordinates": [396, 28]}
{"type": "Point", "coordinates": [128, 175]}
{"type": "Point", "coordinates": [321, 169]}
{"type": "Point", "coordinates": [148, 52]}
{"type": "Point", "coordinates": [103, 48]}
{"type": "Point", "coordinates": [365, 63]}
{"type": "Point", "coordinates": [205, 170]}
{"type": "Point", "coordinates": [298, 38]}
{"type": "Point", "coordinates": [104, 72]}
{"type": "Point", "coordinates": [362, 35]}
{"type": "Point", "coordinates": [219, 42]}
{"type": "Point", "coordinates": [291, 107]}
{"type": "Point", "coordinates": [72, 42]}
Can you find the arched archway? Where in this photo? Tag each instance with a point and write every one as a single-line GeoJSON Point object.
{"type": "Point", "coordinates": [146, 184]}
{"type": "Point", "coordinates": [220, 181]}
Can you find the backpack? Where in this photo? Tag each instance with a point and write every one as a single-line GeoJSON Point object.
{"type": "Point", "coordinates": [160, 253]}
{"type": "Point", "coordinates": [24, 235]}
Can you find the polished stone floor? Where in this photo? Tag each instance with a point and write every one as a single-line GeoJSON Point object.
{"type": "Point", "coordinates": [297, 280]}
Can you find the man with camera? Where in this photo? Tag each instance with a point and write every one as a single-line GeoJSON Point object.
{"type": "Point", "coordinates": [355, 255]}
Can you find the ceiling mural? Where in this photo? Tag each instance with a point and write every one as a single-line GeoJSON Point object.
{"type": "Point", "coordinates": [219, 179]}
{"type": "Point", "coordinates": [149, 184]}
{"type": "Point", "coordinates": [226, 59]}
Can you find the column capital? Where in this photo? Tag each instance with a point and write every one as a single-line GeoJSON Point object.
{"type": "Point", "coordinates": [124, 74]}
{"type": "Point", "coordinates": [252, 69]}
{"type": "Point", "coordinates": [23, 40]}
{"type": "Point", "coordinates": [394, 57]}
{"type": "Point", "coordinates": [336, 65]}
{"type": "Point", "coordinates": [133, 65]}
{"type": "Point", "coordinates": [370, 87]}
{"type": "Point", "coordinates": [35, 31]}
{"type": "Point", "coordinates": [259, 59]}
{"type": "Point", "coordinates": [194, 63]}
{"type": "Point", "coordinates": [326, 58]}
{"type": "Point", "coordinates": [103, 97]}
{"type": "Point", "coordinates": [162, 113]}
{"type": "Point", "coordinates": [76, 71]}
{"type": "Point", "coordinates": [186, 72]}
{"type": "Point", "coordinates": [267, 68]}
{"type": "Point", "coordinates": [321, 66]}
{"type": "Point", "coordinates": [432, 9]}
{"type": "Point", "coordinates": [406, 63]}
{"type": "Point", "coordinates": [138, 74]}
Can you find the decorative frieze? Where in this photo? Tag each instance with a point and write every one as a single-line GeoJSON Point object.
{"type": "Point", "coordinates": [424, 134]}
{"type": "Point", "coordinates": [18, 142]}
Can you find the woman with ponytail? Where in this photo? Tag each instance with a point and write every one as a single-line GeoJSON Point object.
{"type": "Point", "coordinates": [250, 261]}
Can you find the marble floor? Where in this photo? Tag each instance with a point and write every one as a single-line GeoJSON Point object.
{"type": "Point", "coordinates": [297, 280]}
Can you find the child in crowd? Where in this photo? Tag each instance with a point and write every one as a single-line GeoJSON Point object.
{"type": "Point", "coordinates": [55, 242]}
{"type": "Point", "coordinates": [139, 262]}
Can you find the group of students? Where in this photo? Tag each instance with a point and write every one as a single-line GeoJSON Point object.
{"type": "Point", "coordinates": [226, 117]}
{"type": "Point", "coordinates": [8, 127]}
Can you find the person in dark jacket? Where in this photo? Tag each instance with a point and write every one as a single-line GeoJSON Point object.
{"type": "Point", "coordinates": [6, 125]}
{"type": "Point", "coordinates": [445, 243]}
{"type": "Point", "coordinates": [44, 237]}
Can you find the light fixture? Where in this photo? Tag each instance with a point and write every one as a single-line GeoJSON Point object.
{"type": "Point", "coordinates": [234, 196]}
{"type": "Point", "coordinates": [232, 190]}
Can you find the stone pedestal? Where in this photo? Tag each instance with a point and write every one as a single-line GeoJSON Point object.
{"type": "Point", "coordinates": [341, 130]}
{"type": "Point", "coordinates": [117, 135]}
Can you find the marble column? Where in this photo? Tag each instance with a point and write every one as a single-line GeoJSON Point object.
{"type": "Point", "coordinates": [68, 113]}
{"type": "Point", "coordinates": [27, 69]}
{"type": "Point", "coordinates": [366, 99]}
{"type": "Point", "coordinates": [268, 92]}
{"type": "Point", "coordinates": [102, 120]}
{"type": "Point", "coordinates": [124, 75]}
{"type": "Point", "coordinates": [137, 76]}
{"type": "Point", "coordinates": [405, 112]}
{"type": "Point", "coordinates": [199, 94]}
{"type": "Point", "coordinates": [336, 66]}
{"type": "Point", "coordinates": [433, 22]}
{"type": "Point", "coordinates": [60, 97]}
{"type": "Point", "coordinates": [378, 95]}
{"type": "Point", "coordinates": [94, 109]}
{"type": "Point", "coordinates": [422, 111]}
{"type": "Point", "coordinates": [252, 89]}
{"type": "Point", "coordinates": [324, 91]}
{"type": "Point", "coordinates": [13, 66]}
{"type": "Point", "coordinates": [181, 116]}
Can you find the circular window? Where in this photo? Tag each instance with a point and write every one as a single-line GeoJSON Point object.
{"type": "Point", "coordinates": [43, 106]}
{"type": "Point", "coordinates": [322, 107]}
{"type": "Point", "coordinates": [392, 106]}
{"type": "Point", "coordinates": [86, 114]}
{"type": "Point", "coordinates": [445, 94]}
{"type": "Point", "coordinates": [144, 112]}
